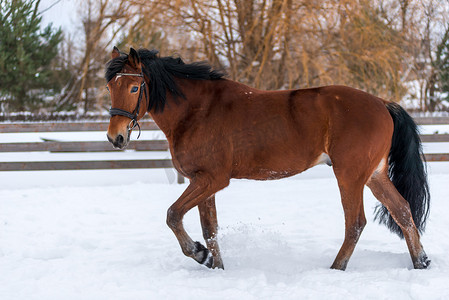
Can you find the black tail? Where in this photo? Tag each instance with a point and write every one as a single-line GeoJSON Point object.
{"type": "Point", "coordinates": [407, 170]}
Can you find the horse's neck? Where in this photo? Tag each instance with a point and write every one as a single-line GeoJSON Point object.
{"type": "Point", "coordinates": [176, 110]}
{"type": "Point", "coordinates": [198, 94]}
{"type": "Point", "coordinates": [167, 120]}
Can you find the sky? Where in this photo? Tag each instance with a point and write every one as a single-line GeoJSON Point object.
{"type": "Point", "coordinates": [62, 13]}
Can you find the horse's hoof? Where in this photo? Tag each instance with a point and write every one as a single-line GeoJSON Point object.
{"type": "Point", "coordinates": [339, 265]}
{"type": "Point", "coordinates": [218, 265]}
{"type": "Point", "coordinates": [423, 262]}
{"type": "Point", "coordinates": [338, 268]}
{"type": "Point", "coordinates": [203, 256]}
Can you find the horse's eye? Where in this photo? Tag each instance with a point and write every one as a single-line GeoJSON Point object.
{"type": "Point", "coordinates": [134, 89]}
{"type": "Point", "coordinates": [107, 89]}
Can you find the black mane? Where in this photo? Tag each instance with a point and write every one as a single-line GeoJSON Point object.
{"type": "Point", "coordinates": [161, 71]}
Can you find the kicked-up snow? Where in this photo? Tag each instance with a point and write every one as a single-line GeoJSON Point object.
{"type": "Point", "coordinates": [102, 235]}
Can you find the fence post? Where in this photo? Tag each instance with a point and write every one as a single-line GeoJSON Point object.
{"type": "Point", "coordinates": [180, 178]}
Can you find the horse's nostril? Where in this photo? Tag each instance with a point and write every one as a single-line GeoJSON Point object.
{"type": "Point", "coordinates": [118, 142]}
{"type": "Point", "coordinates": [120, 139]}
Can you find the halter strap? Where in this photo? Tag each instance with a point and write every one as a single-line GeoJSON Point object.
{"type": "Point", "coordinates": [129, 74]}
{"type": "Point", "coordinates": [133, 116]}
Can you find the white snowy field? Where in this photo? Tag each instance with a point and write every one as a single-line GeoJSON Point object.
{"type": "Point", "coordinates": [102, 235]}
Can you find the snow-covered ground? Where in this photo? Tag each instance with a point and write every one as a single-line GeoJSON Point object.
{"type": "Point", "coordinates": [102, 235]}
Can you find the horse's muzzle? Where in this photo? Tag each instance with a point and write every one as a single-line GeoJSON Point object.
{"type": "Point", "coordinates": [119, 142]}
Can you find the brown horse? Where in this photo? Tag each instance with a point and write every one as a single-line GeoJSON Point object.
{"type": "Point", "coordinates": [220, 129]}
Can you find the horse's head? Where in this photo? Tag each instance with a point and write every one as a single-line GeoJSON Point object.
{"type": "Point", "coordinates": [126, 85]}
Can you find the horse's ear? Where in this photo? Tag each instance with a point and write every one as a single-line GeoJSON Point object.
{"type": "Point", "coordinates": [115, 53]}
{"type": "Point", "coordinates": [134, 59]}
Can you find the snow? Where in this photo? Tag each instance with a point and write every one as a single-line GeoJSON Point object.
{"type": "Point", "coordinates": [433, 129]}
{"type": "Point", "coordinates": [101, 234]}
{"type": "Point", "coordinates": [30, 137]}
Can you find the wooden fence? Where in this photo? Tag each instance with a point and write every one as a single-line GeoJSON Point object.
{"type": "Point", "coordinates": [149, 145]}
{"type": "Point", "coordinates": [58, 146]}
{"type": "Point", "coordinates": [434, 138]}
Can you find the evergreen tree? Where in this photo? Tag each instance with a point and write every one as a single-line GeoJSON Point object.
{"type": "Point", "coordinates": [26, 53]}
{"type": "Point", "coordinates": [441, 65]}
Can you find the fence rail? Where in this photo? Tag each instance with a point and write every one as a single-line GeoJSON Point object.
{"type": "Point", "coordinates": [145, 125]}
{"type": "Point", "coordinates": [152, 145]}
{"type": "Point", "coordinates": [65, 126]}
{"type": "Point", "coordinates": [431, 120]}
{"type": "Point", "coordinates": [436, 156]}
{"type": "Point", "coordinates": [86, 165]}
{"type": "Point", "coordinates": [55, 146]}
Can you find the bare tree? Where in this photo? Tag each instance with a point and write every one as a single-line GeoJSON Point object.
{"type": "Point", "coordinates": [379, 46]}
{"type": "Point", "coordinates": [102, 21]}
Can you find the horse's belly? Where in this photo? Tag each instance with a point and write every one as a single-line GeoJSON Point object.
{"type": "Point", "coordinates": [264, 174]}
{"type": "Point", "coordinates": [269, 164]}
{"type": "Point", "coordinates": [274, 147]}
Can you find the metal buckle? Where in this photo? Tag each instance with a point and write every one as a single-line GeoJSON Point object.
{"type": "Point", "coordinates": [134, 125]}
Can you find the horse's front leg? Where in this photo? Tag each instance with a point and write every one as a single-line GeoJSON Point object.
{"type": "Point", "coordinates": [209, 224]}
{"type": "Point", "coordinates": [200, 189]}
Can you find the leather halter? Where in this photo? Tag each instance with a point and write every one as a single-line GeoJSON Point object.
{"type": "Point", "coordinates": [133, 116]}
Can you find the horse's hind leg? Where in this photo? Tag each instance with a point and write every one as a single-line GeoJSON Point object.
{"type": "Point", "coordinates": [352, 201]}
{"type": "Point", "coordinates": [384, 190]}
{"type": "Point", "coordinates": [209, 224]}
{"type": "Point", "coordinates": [200, 188]}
